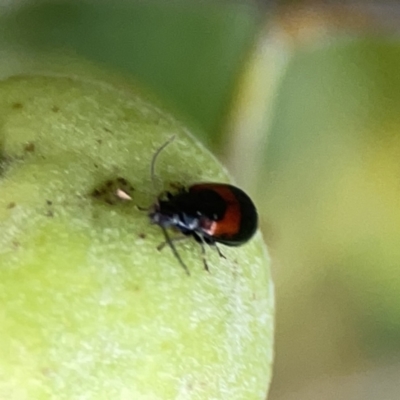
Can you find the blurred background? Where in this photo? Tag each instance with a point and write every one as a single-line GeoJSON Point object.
{"type": "Point", "coordinates": [301, 101]}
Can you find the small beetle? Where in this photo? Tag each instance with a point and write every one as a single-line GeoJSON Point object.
{"type": "Point", "coordinates": [210, 212]}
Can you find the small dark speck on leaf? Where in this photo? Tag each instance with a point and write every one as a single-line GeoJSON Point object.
{"type": "Point", "coordinates": [142, 235]}
{"type": "Point", "coordinates": [96, 193]}
{"type": "Point", "coordinates": [47, 372]}
{"type": "Point", "coordinates": [29, 147]}
{"type": "Point", "coordinates": [11, 205]}
{"type": "Point", "coordinates": [55, 109]}
{"type": "Point", "coordinates": [106, 130]}
{"type": "Point", "coordinates": [99, 141]}
{"type": "Point", "coordinates": [15, 243]}
{"type": "Point", "coordinates": [17, 106]}
{"type": "Point", "coordinates": [122, 181]}
{"type": "Point", "coordinates": [49, 202]}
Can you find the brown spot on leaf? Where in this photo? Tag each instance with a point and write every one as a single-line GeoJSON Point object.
{"type": "Point", "coordinates": [96, 193]}
{"type": "Point", "coordinates": [17, 106]}
{"type": "Point", "coordinates": [29, 147]}
{"type": "Point", "coordinates": [123, 181]}
{"type": "Point", "coordinates": [55, 109]}
{"type": "Point", "coordinates": [49, 213]}
{"type": "Point", "coordinates": [11, 205]}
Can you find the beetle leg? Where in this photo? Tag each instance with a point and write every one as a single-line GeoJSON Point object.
{"type": "Point", "coordinates": [175, 239]}
{"type": "Point", "coordinates": [203, 252]}
{"type": "Point", "coordinates": [174, 251]}
{"type": "Point", "coordinates": [218, 251]}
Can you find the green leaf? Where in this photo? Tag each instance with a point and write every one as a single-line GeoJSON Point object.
{"type": "Point", "coordinates": [89, 307]}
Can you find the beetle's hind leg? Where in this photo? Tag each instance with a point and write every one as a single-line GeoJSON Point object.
{"type": "Point", "coordinates": [218, 250]}
{"type": "Point", "coordinates": [203, 244]}
{"type": "Point", "coordinates": [174, 240]}
{"type": "Point", "coordinates": [174, 251]}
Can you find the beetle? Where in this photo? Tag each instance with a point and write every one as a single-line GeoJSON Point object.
{"type": "Point", "coordinates": [210, 212]}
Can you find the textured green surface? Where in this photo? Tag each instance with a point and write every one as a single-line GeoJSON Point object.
{"type": "Point", "coordinates": [88, 307]}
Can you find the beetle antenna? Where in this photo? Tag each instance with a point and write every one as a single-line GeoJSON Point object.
{"type": "Point", "coordinates": [154, 159]}
{"type": "Point", "coordinates": [173, 248]}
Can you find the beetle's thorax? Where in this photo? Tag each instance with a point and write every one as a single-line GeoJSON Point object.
{"type": "Point", "coordinates": [165, 214]}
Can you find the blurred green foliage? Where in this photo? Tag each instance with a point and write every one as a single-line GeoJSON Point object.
{"type": "Point", "coordinates": [188, 53]}
{"type": "Point", "coordinates": [330, 195]}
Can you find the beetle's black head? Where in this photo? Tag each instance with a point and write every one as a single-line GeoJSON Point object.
{"type": "Point", "coordinates": [163, 214]}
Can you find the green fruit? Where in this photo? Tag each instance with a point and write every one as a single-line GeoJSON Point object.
{"type": "Point", "coordinates": [89, 309]}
